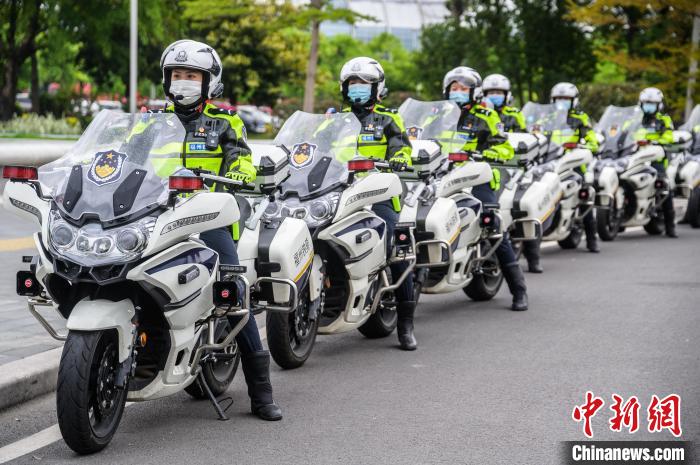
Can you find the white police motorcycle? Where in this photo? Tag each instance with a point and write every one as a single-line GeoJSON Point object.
{"type": "Point", "coordinates": [146, 303]}
{"type": "Point", "coordinates": [332, 191]}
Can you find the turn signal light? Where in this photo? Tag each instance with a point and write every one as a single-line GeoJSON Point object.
{"type": "Point", "coordinates": [360, 165]}
{"type": "Point", "coordinates": [226, 294]}
{"type": "Point", "coordinates": [583, 194]}
{"type": "Point", "coordinates": [570, 145]}
{"type": "Point", "coordinates": [458, 157]}
{"type": "Point", "coordinates": [20, 173]}
{"type": "Point", "coordinates": [185, 183]}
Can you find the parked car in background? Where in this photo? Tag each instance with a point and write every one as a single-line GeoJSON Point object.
{"type": "Point", "coordinates": [99, 105]}
{"type": "Point", "coordinates": [24, 102]}
{"type": "Point", "coordinates": [255, 120]}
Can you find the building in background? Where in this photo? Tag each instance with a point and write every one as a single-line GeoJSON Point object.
{"type": "Point", "coordinates": [402, 18]}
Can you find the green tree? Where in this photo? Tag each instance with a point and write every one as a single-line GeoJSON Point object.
{"type": "Point", "coordinates": [17, 43]}
{"type": "Point", "coordinates": [260, 48]}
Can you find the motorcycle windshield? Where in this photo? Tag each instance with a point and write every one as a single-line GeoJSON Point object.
{"type": "Point", "coordinates": [692, 124]}
{"type": "Point", "coordinates": [619, 126]}
{"type": "Point", "coordinates": [119, 166]}
{"type": "Point", "coordinates": [319, 146]}
{"type": "Point", "coordinates": [436, 120]}
{"type": "Point", "coordinates": [546, 119]}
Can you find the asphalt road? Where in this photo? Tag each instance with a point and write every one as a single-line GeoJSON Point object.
{"type": "Point", "coordinates": [486, 386]}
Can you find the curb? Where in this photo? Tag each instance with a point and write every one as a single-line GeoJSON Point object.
{"type": "Point", "coordinates": [30, 377]}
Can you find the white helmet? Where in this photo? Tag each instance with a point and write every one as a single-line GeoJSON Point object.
{"type": "Point", "coordinates": [652, 95]}
{"type": "Point", "coordinates": [365, 68]}
{"type": "Point", "coordinates": [193, 55]}
{"type": "Point", "coordinates": [565, 90]}
{"type": "Point", "coordinates": [465, 76]}
{"type": "Point", "coordinates": [496, 82]}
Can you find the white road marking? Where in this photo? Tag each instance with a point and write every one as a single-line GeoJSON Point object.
{"type": "Point", "coordinates": [30, 444]}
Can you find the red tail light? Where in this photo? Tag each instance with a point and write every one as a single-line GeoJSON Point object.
{"type": "Point", "coordinates": [20, 173]}
{"type": "Point", "coordinates": [360, 165]}
{"type": "Point", "coordinates": [185, 183]}
{"type": "Point", "coordinates": [570, 145]}
{"type": "Point", "coordinates": [458, 157]}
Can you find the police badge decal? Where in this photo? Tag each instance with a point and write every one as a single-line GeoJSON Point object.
{"type": "Point", "coordinates": [303, 154]}
{"type": "Point", "coordinates": [106, 167]}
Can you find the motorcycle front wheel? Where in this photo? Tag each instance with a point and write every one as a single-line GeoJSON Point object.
{"type": "Point", "coordinates": [608, 223]}
{"type": "Point", "coordinates": [217, 374]}
{"type": "Point", "coordinates": [573, 239]}
{"type": "Point", "coordinates": [487, 280]}
{"type": "Point", "coordinates": [291, 336]}
{"type": "Point", "coordinates": [88, 404]}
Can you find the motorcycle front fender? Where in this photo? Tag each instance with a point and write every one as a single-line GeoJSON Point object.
{"type": "Point", "coordinates": [98, 315]}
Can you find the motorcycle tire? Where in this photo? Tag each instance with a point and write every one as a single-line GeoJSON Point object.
{"type": "Point", "coordinates": [655, 226]}
{"type": "Point", "coordinates": [485, 283]}
{"type": "Point", "coordinates": [291, 336]}
{"type": "Point", "coordinates": [573, 239]}
{"type": "Point", "coordinates": [380, 324]}
{"type": "Point", "coordinates": [88, 405]}
{"type": "Point", "coordinates": [608, 225]}
{"type": "Point", "coordinates": [218, 375]}
{"type": "Point", "coordinates": [693, 209]}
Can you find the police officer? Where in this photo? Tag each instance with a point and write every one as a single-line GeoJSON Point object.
{"type": "Point", "coordinates": [497, 91]}
{"type": "Point", "coordinates": [658, 127]}
{"type": "Point", "coordinates": [216, 141]}
{"type": "Point", "coordinates": [564, 96]}
{"type": "Point", "coordinates": [383, 137]}
{"type": "Point", "coordinates": [480, 127]}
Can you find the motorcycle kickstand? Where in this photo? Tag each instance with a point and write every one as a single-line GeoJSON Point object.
{"type": "Point", "coordinates": [219, 411]}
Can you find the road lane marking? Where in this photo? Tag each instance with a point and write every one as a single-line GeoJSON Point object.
{"type": "Point", "coordinates": [30, 444]}
{"type": "Point", "coordinates": [11, 245]}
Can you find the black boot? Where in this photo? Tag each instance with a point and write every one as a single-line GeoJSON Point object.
{"type": "Point", "coordinates": [531, 250]}
{"type": "Point", "coordinates": [256, 369]}
{"type": "Point", "coordinates": [404, 325]}
{"type": "Point", "coordinates": [670, 218]}
{"type": "Point", "coordinates": [589, 225]}
{"type": "Point", "coordinates": [516, 283]}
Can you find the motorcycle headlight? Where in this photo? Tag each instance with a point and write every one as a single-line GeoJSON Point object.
{"type": "Point", "coordinates": [91, 245]}
{"type": "Point", "coordinates": [62, 235]}
{"type": "Point", "coordinates": [129, 240]}
{"type": "Point", "coordinates": [315, 212]}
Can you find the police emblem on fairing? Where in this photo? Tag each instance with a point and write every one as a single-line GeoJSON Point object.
{"type": "Point", "coordinates": [303, 154]}
{"type": "Point", "coordinates": [106, 167]}
{"type": "Point", "coordinates": [414, 132]}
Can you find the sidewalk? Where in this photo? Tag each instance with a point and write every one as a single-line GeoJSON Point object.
{"type": "Point", "coordinates": [20, 334]}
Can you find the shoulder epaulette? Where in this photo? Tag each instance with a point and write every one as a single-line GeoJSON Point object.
{"type": "Point", "coordinates": [221, 111]}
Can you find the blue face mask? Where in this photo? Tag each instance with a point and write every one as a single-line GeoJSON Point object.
{"type": "Point", "coordinates": [460, 98]}
{"type": "Point", "coordinates": [359, 93]}
{"type": "Point", "coordinates": [649, 108]}
{"type": "Point", "coordinates": [563, 104]}
{"type": "Point", "coordinates": [497, 100]}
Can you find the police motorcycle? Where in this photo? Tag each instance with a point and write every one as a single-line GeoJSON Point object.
{"type": "Point", "coordinates": [637, 199]}
{"type": "Point", "coordinates": [454, 230]}
{"type": "Point", "coordinates": [561, 197]}
{"type": "Point", "coordinates": [687, 175]}
{"type": "Point", "coordinates": [146, 303]}
{"type": "Point", "coordinates": [329, 188]}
